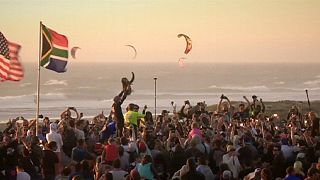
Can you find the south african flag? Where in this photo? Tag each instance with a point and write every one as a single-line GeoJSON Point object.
{"type": "Point", "coordinates": [54, 54]}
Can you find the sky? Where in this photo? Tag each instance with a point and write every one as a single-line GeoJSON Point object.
{"type": "Point", "coordinates": [222, 31]}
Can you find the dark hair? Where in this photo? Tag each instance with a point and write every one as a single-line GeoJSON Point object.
{"type": "Point", "coordinates": [191, 163]}
{"type": "Point", "coordinates": [71, 123]}
{"type": "Point", "coordinates": [146, 159]}
{"type": "Point", "coordinates": [312, 171]}
{"type": "Point", "coordinates": [116, 163]}
{"type": "Point", "coordinates": [80, 142]}
{"type": "Point", "coordinates": [290, 170]}
{"type": "Point", "coordinates": [121, 150]}
{"type": "Point", "coordinates": [108, 176]}
{"type": "Point", "coordinates": [266, 174]}
{"type": "Point", "coordinates": [202, 160]}
{"type": "Point", "coordinates": [52, 145]}
{"type": "Point", "coordinates": [66, 171]}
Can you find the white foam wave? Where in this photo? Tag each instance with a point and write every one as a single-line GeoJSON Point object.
{"type": "Point", "coordinates": [314, 82]}
{"type": "Point", "coordinates": [279, 82]}
{"type": "Point", "coordinates": [86, 87]}
{"type": "Point", "coordinates": [106, 100]}
{"type": "Point", "coordinates": [56, 82]}
{"type": "Point", "coordinates": [242, 88]}
{"type": "Point", "coordinates": [12, 97]}
{"type": "Point", "coordinates": [53, 96]}
{"type": "Point", "coordinates": [25, 84]}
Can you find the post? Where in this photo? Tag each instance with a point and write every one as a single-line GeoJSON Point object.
{"type": "Point", "coordinates": [308, 100]}
{"type": "Point", "coordinates": [38, 80]}
{"type": "Point", "coordinates": [155, 98]}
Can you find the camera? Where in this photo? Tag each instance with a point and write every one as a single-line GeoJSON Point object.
{"type": "Point", "coordinates": [254, 97]}
{"type": "Point", "coordinates": [40, 116]}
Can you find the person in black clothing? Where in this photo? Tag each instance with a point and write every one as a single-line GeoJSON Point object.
{"type": "Point", "coordinates": [49, 161]}
{"type": "Point", "coordinates": [9, 157]}
{"type": "Point", "coordinates": [117, 111]}
{"type": "Point", "coordinates": [192, 173]}
{"type": "Point", "coordinates": [28, 165]}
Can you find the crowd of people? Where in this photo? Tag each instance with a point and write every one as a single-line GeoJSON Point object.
{"type": "Point", "coordinates": [236, 141]}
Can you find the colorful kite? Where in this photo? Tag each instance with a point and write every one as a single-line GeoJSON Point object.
{"type": "Point", "coordinates": [189, 43]}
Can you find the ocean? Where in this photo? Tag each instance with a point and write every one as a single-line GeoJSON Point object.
{"type": "Point", "coordinates": [91, 87]}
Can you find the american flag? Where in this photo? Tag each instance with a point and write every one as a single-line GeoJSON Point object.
{"type": "Point", "coordinates": [10, 68]}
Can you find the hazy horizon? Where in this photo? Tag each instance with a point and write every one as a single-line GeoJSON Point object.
{"type": "Point", "coordinates": [243, 31]}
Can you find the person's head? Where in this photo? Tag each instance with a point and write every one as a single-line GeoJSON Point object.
{"type": "Point", "coordinates": [80, 143]}
{"type": "Point", "coordinates": [202, 160]}
{"type": "Point", "coordinates": [226, 175]}
{"type": "Point", "coordinates": [194, 125]}
{"type": "Point", "coordinates": [191, 164]}
{"type": "Point", "coordinates": [290, 171]}
{"type": "Point", "coordinates": [231, 149]}
{"type": "Point", "coordinates": [294, 109]}
{"type": "Point", "coordinates": [146, 159]}
{"type": "Point", "coordinates": [130, 107]}
{"type": "Point", "coordinates": [53, 127]}
{"type": "Point", "coordinates": [241, 107]}
{"type": "Point", "coordinates": [77, 177]}
{"type": "Point", "coordinates": [165, 113]}
{"type": "Point", "coordinates": [313, 174]}
{"type": "Point", "coordinates": [19, 167]}
{"type": "Point", "coordinates": [276, 150]}
{"type": "Point", "coordinates": [52, 145]}
{"type": "Point", "coordinates": [313, 115]}
{"type": "Point", "coordinates": [266, 174]}
{"type": "Point", "coordinates": [111, 141]}
{"type": "Point", "coordinates": [148, 116]}
{"type": "Point", "coordinates": [258, 108]}
{"type": "Point", "coordinates": [116, 163]}
{"type": "Point", "coordinates": [108, 176]}
{"type": "Point", "coordinates": [6, 140]}
{"type": "Point", "coordinates": [134, 175]}
{"type": "Point", "coordinates": [298, 166]}
{"type": "Point", "coordinates": [116, 99]}
{"type": "Point", "coordinates": [225, 107]}
{"type": "Point", "coordinates": [66, 171]}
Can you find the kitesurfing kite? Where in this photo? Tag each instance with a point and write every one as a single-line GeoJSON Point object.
{"type": "Point", "coordinates": [189, 43]}
{"type": "Point", "coordinates": [73, 51]}
{"type": "Point", "coordinates": [134, 49]}
{"type": "Point", "coordinates": [181, 61]}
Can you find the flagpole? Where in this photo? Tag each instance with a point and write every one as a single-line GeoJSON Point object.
{"type": "Point", "coordinates": [38, 81]}
{"type": "Point", "coordinates": [155, 98]}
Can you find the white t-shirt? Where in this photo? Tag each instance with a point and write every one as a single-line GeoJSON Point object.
{"type": "Point", "coordinates": [119, 174]}
{"type": "Point", "coordinates": [23, 176]}
{"type": "Point", "coordinates": [56, 137]}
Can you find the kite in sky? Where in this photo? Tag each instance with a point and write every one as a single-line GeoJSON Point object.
{"type": "Point", "coordinates": [188, 41]}
{"type": "Point", "coordinates": [134, 49]}
{"type": "Point", "coordinates": [73, 52]}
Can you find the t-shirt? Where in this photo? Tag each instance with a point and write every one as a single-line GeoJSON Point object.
{"type": "Point", "coordinates": [78, 154]}
{"type": "Point", "coordinates": [48, 163]}
{"type": "Point", "coordinates": [111, 130]}
{"type": "Point", "coordinates": [131, 117]}
{"type": "Point", "coordinates": [23, 176]}
{"type": "Point", "coordinates": [193, 175]}
{"type": "Point", "coordinates": [112, 152]}
{"type": "Point", "coordinates": [56, 137]}
{"type": "Point", "coordinates": [119, 174]}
